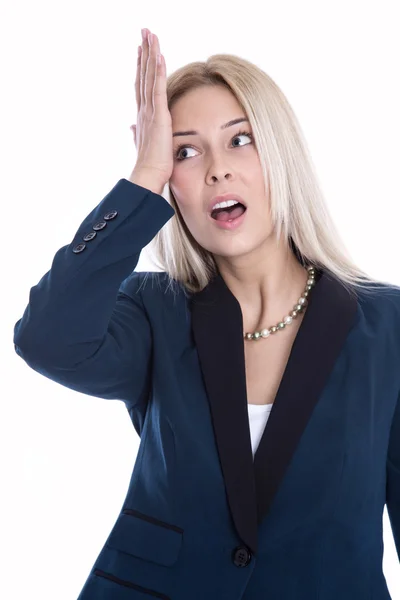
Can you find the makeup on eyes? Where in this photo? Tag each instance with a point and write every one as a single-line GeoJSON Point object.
{"type": "Point", "coordinates": [181, 146]}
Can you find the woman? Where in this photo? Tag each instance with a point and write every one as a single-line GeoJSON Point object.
{"type": "Point", "coordinates": [259, 367]}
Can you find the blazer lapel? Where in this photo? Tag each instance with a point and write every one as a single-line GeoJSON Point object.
{"type": "Point", "coordinates": [217, 326]}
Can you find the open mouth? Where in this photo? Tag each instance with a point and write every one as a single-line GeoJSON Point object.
{"type": "Point", "coordinates": [230, 213]}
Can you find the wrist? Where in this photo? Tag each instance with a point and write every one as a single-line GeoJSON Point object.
{"type": "Point", "coordinates": [147, 179]}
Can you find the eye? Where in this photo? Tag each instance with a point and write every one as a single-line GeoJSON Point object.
{"type": "Point", "coordinates": [184, 146]}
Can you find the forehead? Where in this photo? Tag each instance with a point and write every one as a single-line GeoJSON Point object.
{"type": "Point", "coordinates": [205, 104]}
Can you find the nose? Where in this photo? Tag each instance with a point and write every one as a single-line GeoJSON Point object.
{"type": "Point", "coordinates": [218, 167]}
{"type": "Point", "coordinates": [218, 174]}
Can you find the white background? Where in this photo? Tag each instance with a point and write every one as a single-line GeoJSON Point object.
{"type": "Point", "coordinates": [67, 102]}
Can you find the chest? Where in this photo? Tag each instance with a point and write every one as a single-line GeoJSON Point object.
{"type": "Point", "coordinates": [265, 364]}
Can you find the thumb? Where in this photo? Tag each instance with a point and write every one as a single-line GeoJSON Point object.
{"type": "Point", "coordinates": [133, 129]}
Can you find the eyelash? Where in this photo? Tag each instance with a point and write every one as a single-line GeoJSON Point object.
{"type": "Point", "coordinates": [179, 148]}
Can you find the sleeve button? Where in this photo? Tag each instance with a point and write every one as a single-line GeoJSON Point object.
{"type": "Point", "coordinates": [79, 248]}
{"type": "Point", "coordinates": [89, 236]}
{"type": "Point", "coordinates": [99, 226]}
{"type": "Point", "coordinates": [110, 215]}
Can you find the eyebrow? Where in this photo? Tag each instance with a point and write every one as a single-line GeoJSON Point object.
{"type": "Point", "coordinates": [228, 124]}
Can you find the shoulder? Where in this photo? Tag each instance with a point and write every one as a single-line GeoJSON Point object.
{"type": "Point", "coordinates": [152, 284]}
{"type": "Point", "coordinates": [382, 302]}
{"type": "Point", "coordinates": [380, 292]}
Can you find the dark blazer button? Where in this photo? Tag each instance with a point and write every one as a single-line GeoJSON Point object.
{"type": "Point", "coordinates": [89, 236]}
{"type": "Point", "coordinates": [110, 215]}
{"type": "Point", "coordinates": [100, 225]}
{"type": "Point", "coordinates": [241, 556]}
{"type": "Point", "coordinates": [78, 248]}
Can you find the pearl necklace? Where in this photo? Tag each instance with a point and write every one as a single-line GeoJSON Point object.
{"type": "Point", "coordinates": [298, 308]}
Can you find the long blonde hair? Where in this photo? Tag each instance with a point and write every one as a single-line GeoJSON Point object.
{"type": "Point", "coordinates": [298, 209]}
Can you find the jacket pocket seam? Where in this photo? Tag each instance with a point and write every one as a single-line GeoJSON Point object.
{"type": "Point", "coordinates": [130, 584]}
{"type": "Point", "coordinates": [153, 520]}
{"type": "Point", "coordinates": [141, 536]}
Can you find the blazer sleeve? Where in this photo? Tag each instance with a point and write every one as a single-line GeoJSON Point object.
{"type": "Point", "coordinates": [85, 326]}
{"type": "Point", "coordinates": [393, 478]}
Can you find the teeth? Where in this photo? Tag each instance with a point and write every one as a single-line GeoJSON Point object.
{"type": "Point", "coordinates": [225, 204]}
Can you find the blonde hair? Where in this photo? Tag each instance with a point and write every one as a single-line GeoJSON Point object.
{"type": "Point", "coordinates": [298, 208]}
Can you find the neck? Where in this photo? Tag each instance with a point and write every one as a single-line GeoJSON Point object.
{"type": "Point", "coordinates": [266, 282]}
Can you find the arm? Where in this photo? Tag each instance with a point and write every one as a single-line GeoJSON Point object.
{"type": "Point", "coordinates": [84, 326]}
{"type": "Point", "coordinates": [393, 478]}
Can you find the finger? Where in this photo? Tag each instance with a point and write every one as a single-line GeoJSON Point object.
{"type": "Point", "coordinates": [143, 67]}
{"type": "Point", "coordinates": [160, 83]}
{"type": "Point", "coordinates": [137, 81]}
{"type": "Point", "coordinates": [151, 71]}
{"type": "Point", "coordinates": [155, 51]}
{"type": "Point", "coordinates": [160, 87]}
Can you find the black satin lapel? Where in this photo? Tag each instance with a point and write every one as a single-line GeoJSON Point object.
{"type": "Point", "coordinates": [326, 324]}
{"type": "Point", "coordinates": [217, 327]}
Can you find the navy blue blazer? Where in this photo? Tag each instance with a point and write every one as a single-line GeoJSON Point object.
{"type": "Point", "coordinates": [201, 518]}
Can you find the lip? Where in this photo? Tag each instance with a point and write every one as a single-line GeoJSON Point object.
{"type": "Point", "coordinates": [224, 198]}
{"type": "Point", "coordinates": [232, 224]}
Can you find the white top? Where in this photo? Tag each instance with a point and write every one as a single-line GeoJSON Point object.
{"type": "Point", "coordinates": [258, 418]}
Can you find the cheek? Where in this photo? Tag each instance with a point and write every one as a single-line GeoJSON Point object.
{"type": "Point", "coordinates": [182, 186]}
{"type": "Point", "coordinates": [254, 166]}
{"type": "Point", "coordinates": [255, 175]}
